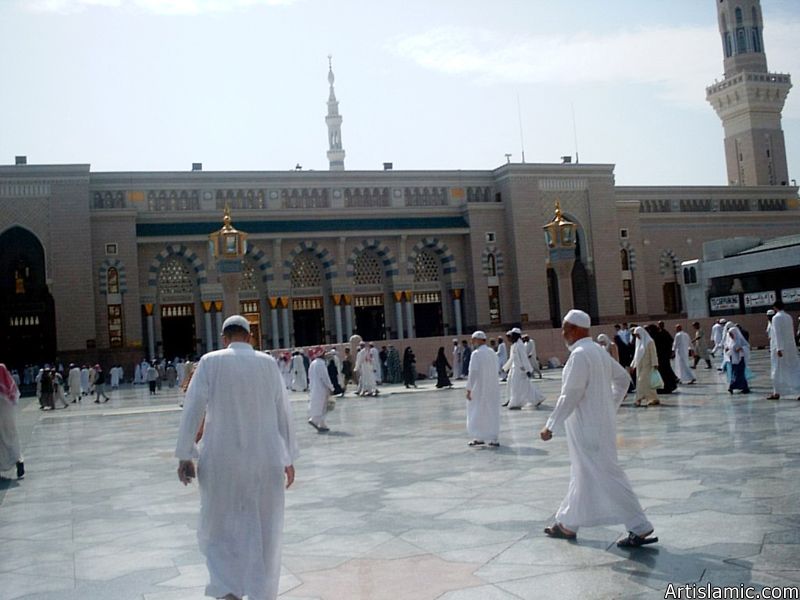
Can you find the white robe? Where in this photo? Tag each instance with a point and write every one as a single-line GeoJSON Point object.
{"type": "Point", "coordinates": [521, 390]}
{"type": "Point", "coordinates": [74, 382]}
{"type": "Point", "coordinates": [85, 381]}
{"type": "Point", "coordinates": [785, 370]}
{"type": "Point", "coordinates": [180, 368]}
{"type": "Point", "coordinates": [10, 453]}
{"type": "Point", "coordinates": [286, 370]}
{"type": "Point", "coordinates": [115, 376]}
{"type": "Point", "coordinates": [716, 337]}
{"type": "Point", "coordinates": [376, 364]}
{"type": "Point", "coordinates": [592, 388]}
{"type": "Point", "coordinates": [483, 410]}
{"type": "Point", "coordinates": [530, 350]}
{"type": "Point", "coordinates": [456, 362]}
{"type": "Point", "coordinates": [366, 372]}
{"type": "Point", "coordinates": [502, 357]}
{"type": "Point", "coordinates": [247, 441]}
{"type": "Point", "coordinates": [680, 346]}
{"type": "Point", "coordinates": [299, 377]}
{"type": "Point", "coordinates": [137, 374]}
{"type": "Point", "coordinates": [319, 387]}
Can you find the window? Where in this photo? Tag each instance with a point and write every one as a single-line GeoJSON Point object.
{"type": "Point", "coordinates": [305, 272]}
{"type": "Point", "coordinates": [741, 41]}
{"type": "Point", "coordinates": [491, 265]}
{"type": "Point", "coordinates": [115, 325]}
{"type": "Point", "coordinates": [111, 249]}
{"type": "Point", "coordinates": [248, 282]}
{"type": "Point", "coordinates": [738, 14]}
{"type": "Point", "coordinates": [368, 270]}
{"type": "Point", "coordinates": [426, 267]}
{"type": "Point", "coordinates": [112, 278]}
{"type": "Point", "coordinates": [728, 45]}
{"type": "Point", "coordinates": [623, 233]}
{"type": "Point", "coordinates": [490, 237]}
{"type": "Point", "coordinates": [174, 277]}
{"type": "Point", "coordinates": [625, 260]}
{"type": "Point", "coordinates": [494, 305]}
{"type": "Point", "coordinates": [756, 39]}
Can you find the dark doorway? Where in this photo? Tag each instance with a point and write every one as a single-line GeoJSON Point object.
{"type": "Point", "coordinates": [370, 322]}
{"type": "Point", "coordinates": [672, 298]}
{"type": "Point", "coordinates": [552, 295]}
{"type": "Point", "coordinates": [428, 319]}
{"type": "Point", "coordinates": [309, 327]}
{"type": "Point", "coordinates": [177, 330]}
{"type": "Point", "coordinates": [27, 310]}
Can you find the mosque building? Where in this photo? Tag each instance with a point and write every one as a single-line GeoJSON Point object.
{"type": "Point", "coordinates": [118, 264]}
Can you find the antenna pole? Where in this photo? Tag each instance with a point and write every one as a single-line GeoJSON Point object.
{"type": "Point", "coordinates": [521, 138]}
{"type": "Point", "coordinates": [575, 133]}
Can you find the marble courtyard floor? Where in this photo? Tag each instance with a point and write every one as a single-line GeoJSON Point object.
{"type": "Point", "coordinates": [393, 505]}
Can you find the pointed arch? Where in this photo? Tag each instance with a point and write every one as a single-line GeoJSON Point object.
{"type": "Point", "coordinates": [176, 250]}
{"type": "Point", "coordinates": [439, 248]}
{"type": "Point", "coordinates": [668, 263]}
{"type": "Point", "coordinates": [385, 255]}
{"type": "Point", "coordinates": [325, 257]}
{"type": "Point", "coordinates": [103, 275]}
{"type": "Point", "coordinates": [263, 264]}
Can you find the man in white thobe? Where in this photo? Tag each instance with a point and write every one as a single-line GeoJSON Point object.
{"type": "Point", "coordinates": [457, 360]}
{"type": "Point", "coordinates": [592, 388]}
{"type": "Point", "coordinates": [319, 389]}
{"type": "Point", "coordinates": [377, 367]}
{"type": "Point", "coordinates": [74, 383]}
{"type": "Point", "coordinates": [299, 375]}
{"type": "Point", "coordinates": [717, 337]}
{"type": "Point", "coordinates": [245, 456]}
{"type": "Point", "coordinates": [521, 390]}
{"type": "Point", "coordinates": [681, 346]}
{"type": "Point", "coordinates": [530, 350]}
{"type": "Point", "coordinates": [785, 363]}
{"type": "Point", "coordinates": [84, 380]}
{"type": "Point", "coordinates": [367, 386]}
{"type": "Point", "coordinates": [483, 394]}
{"type": "Point", "coordinates": [502, 357]}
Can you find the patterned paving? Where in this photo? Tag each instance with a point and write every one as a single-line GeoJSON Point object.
{"type": "Point", "coordinates": [392, 504]}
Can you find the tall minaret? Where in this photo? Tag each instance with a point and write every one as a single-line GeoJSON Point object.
{"type": "Point", "coordinates": [334, 122]}
{"type": "Point", "coordinates": [749, 99]}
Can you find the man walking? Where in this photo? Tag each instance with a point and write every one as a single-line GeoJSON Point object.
{"type": "Point", "coordinates": [592, 388]}
{"type": "Point", "coordinates": [483, 394]}
{"type": "Point", "coordinates": [248, 446]}
{"type": "Point", "coordinates": [785, 363]}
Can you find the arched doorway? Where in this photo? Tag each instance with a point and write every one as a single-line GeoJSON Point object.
{"type": "Point", "coordinates": [369, 295]}
{"type": "Point", "coordinates": [27, 309]}
{"type": "Point", "coordinates": [308, 308]}
{"type": "Point", "coordinates": [428, 317]}
{"type": "Point", "coordinates": [176, 299]}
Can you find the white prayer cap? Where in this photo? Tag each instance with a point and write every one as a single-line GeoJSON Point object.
{"type": "Point", "coordinates": [770, 312]}
{"type": "Point", "coordinates": [723, 321]}
{"type": "Point", "coordinates": [578, 318]}
{"type": "Point", "coordinates": [479, 335]}
{"type": "Point", "coordinates": [455, 340]}
{"type": "Point", "coordinates": [237, 320]}
{"type": "Point", "coordinates": [516, 330]}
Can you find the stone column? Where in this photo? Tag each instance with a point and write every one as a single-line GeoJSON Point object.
{"type": "Point", "coordinates": [276, 333]}
{"type": "Point", "coordinates": [457, 310]}
{"type": "Point", "coordinates": [398, 313]}
{"type": "Point", "coordinates": [230, 291]}
{"type": "Point", "coordinates": [220, 320]}
{"type": "Point", "coordinates": [563, 269]}
{"type": "Point", "coordinates": [409, 314]}
{"type": "Point", "coordinates": [208, 327]}
{"type": "Point", "coordinates": [337, 315]}
{"type": "Point", "coordinates": [348, 316]}
{"type": "Point", "coordinates": [287, 334]}
{"type": "Point", "coordinates": [151, 331]}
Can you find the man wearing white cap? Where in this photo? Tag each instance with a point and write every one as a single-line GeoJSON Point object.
{"type": "Point", "coordinates": [785, 363]}
{"type": "Point", "coordinates": [681, 347]}
{"type": "Point", "coordinates": [299, 374]}
{"type": "Point", "coordinates": [717, 336]}
{"type": "Point", "coordinates": [483, 394]}
{"type": "Point", "coordinates": [592, 388]}
{"type": "Point", "coordinates": [502, 357]}
{"type": "Point", "coordinates": [521, 390]}
{"type": "Point", "coordinates": [245, 456]}
{"type": "Point", "coordinates": [457, 360]}
{"type": "Point", "coordinates": [320, 388]}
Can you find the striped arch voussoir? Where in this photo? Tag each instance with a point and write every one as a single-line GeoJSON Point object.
{"type": "Point", "coordinates": [325, 257]}
{"type": "Point", "coordinates": [440, 248]}
{"type": "Point", "coordinates": [668, 262]}
{"type": "Point", "coordinates": [262, 263]}
{"type": "Point", "coordinates": [498, 260]}
{"type": "Point", "coordinates": [384, 254]}
{"type": "Point", "coordinates": [176, 250]}
{"type": "Point", "coordinates": [626, 245]}
{"type": "Point", "coordinates": [103, 275]}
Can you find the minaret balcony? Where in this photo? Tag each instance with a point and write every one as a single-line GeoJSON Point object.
{"type": "Point", "coordinates": [781, 79]}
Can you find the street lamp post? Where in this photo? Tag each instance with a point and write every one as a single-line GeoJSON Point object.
{"type": "Point", "coordinates": [229, 246]}
{"type": "Point", "coordinates": [559, 234]}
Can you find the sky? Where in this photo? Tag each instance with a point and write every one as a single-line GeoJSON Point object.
{"type": "Point", "coordinates": [154, 85]}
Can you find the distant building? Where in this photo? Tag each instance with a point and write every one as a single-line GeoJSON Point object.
{"type": "Point", "coordinates": [119, 263]}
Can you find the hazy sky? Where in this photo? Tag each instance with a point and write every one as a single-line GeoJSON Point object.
{"type": "Point", "coordinates": [427, 84]}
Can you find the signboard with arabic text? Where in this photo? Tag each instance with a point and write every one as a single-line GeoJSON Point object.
{"type": "Point", "coordinates": [755, 299]}
{"type": "Point", "coordinates": [724, 303]}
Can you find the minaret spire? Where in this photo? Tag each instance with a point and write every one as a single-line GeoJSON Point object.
{"type": "Point", "coordinates": [749, 100]}
{"type": "Point", "coordinates": [334, 123]}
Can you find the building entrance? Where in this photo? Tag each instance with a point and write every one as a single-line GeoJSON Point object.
{"type": "Point", "coordinates": [177, 330]}
{"type": "Point", "coordinates": [27, 310]}
{"type": "Point", "coordinates": [370, 317]}
{"type": "Point", "coordinates": [428, 314]}
{"type": "Point", "coordinates": [308, 318]}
